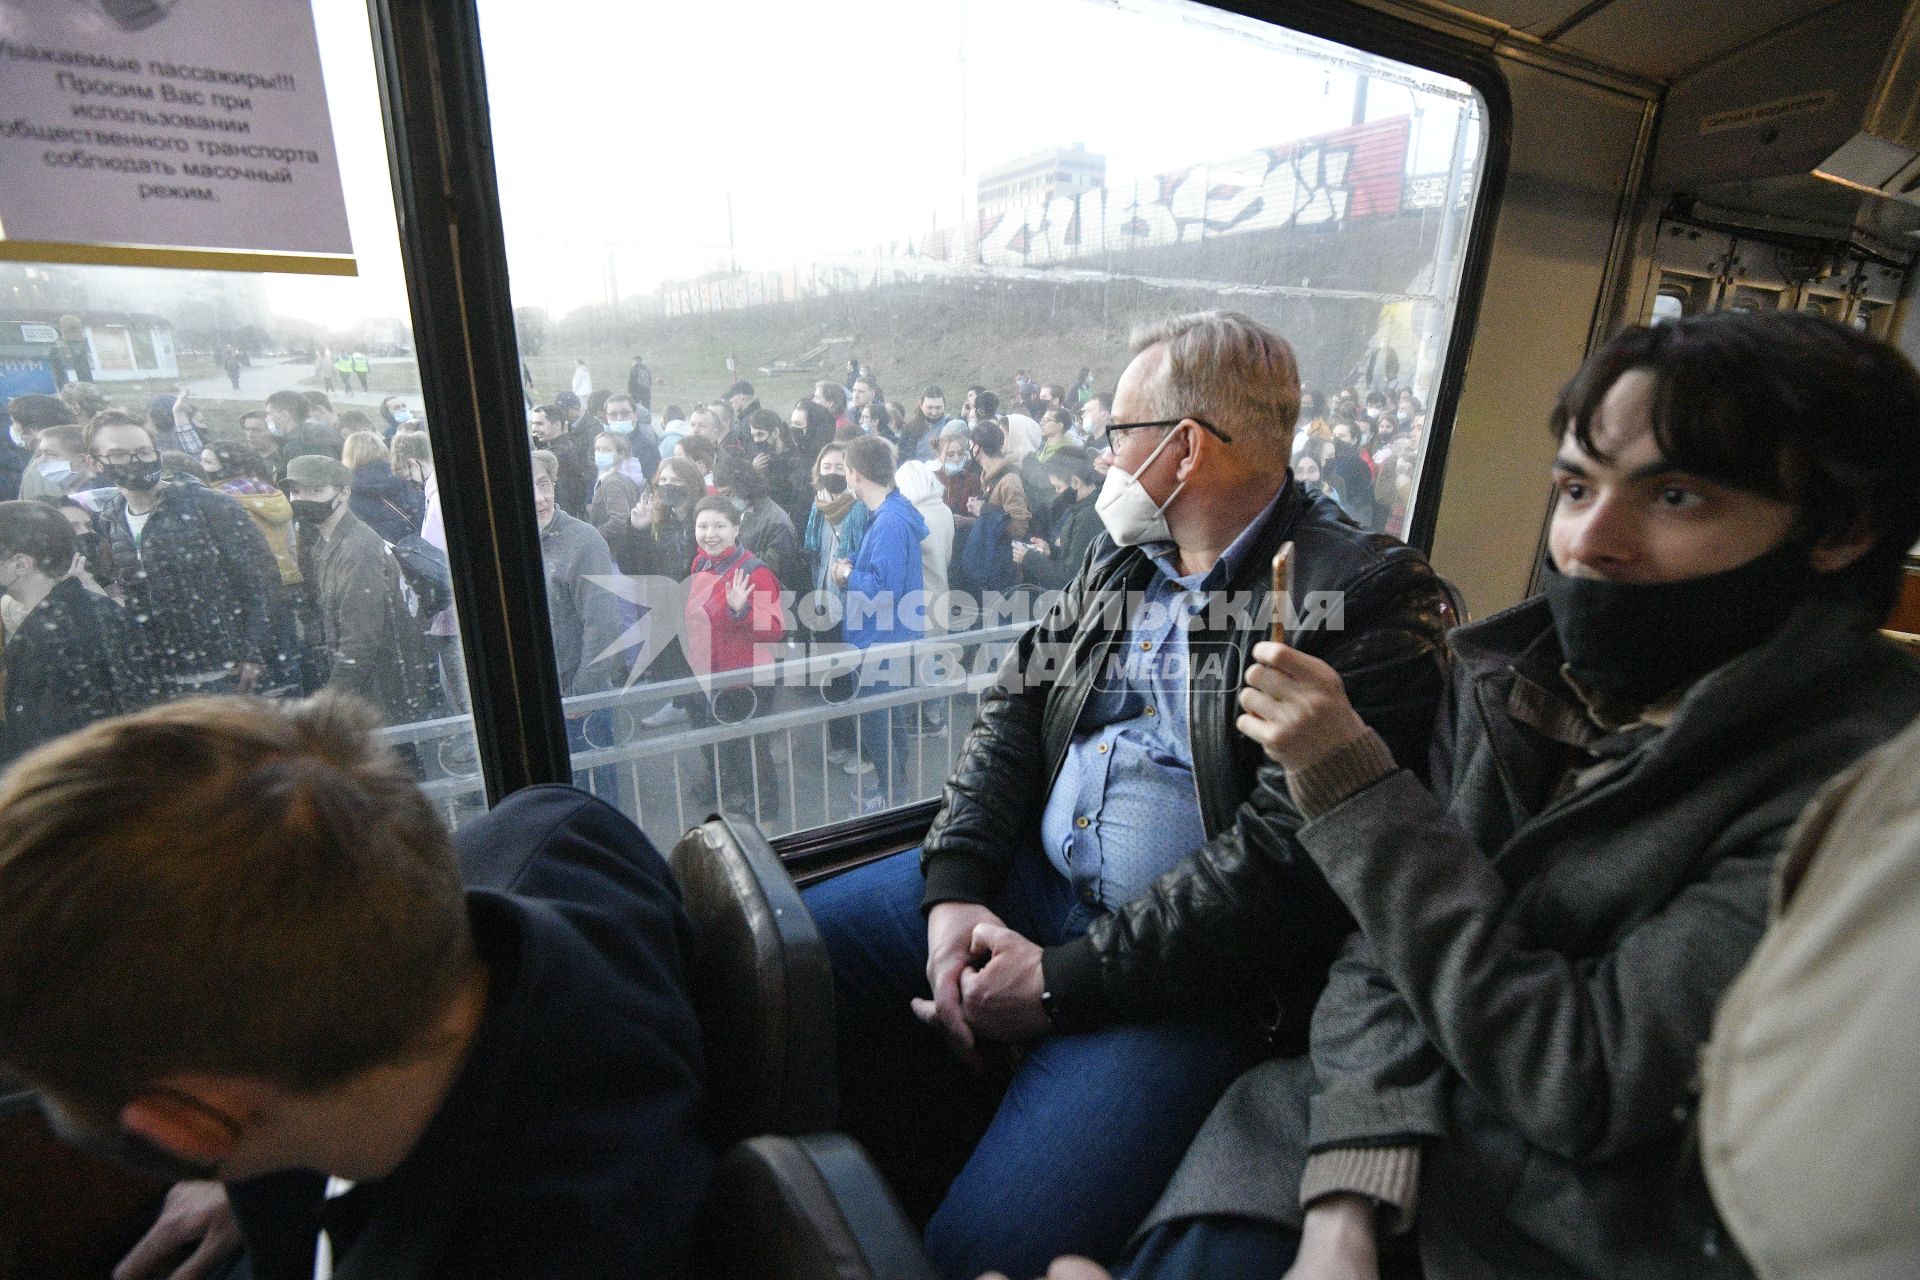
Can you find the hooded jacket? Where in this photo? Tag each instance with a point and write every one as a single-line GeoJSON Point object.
{"type": "Point", "coordinates": [273, 516]}
{"type": "Point", "coordinates": [919, 485]}
{"type": "Point", "coordinates": [390, 506]}
{"type": "Point", "coordinates": [887, 577]}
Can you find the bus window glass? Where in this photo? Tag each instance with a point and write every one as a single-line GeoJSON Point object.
{"type": "Point", "coordinates": [257, 505]}
{"type": "Point", "coordinates": [743, 239]}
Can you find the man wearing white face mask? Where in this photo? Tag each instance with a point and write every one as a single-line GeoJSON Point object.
{"type": "Point", "coordinates": [636, 425]}
{"type": "Point", "coordinates": [1113, 878]}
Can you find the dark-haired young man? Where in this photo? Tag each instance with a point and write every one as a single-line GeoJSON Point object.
{"type": "Point", "coordinates": [195, 570]}
{"type": "Point", "coordinates": [68, 660]}
{"type": "Point", "coordinates": [234, 945]}
{"type": "Point", "coordinates": [1503, 1059]}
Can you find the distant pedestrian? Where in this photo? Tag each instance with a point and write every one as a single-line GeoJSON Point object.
{"type": "Point", "coordinates": [640, 383]}
{"type": "Point", "coordinates": [582, 380]}
{"type": "Point", "coordinates": [361, 368]}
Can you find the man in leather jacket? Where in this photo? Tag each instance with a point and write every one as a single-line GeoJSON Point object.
{"type": "Point", "coordinates": [1112, 879]}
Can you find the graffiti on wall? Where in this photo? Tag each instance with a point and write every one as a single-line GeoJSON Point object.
{"type": "Point", "coordinates": [1321, 181]}
{"type": "Point", "coordinates": [1352, 173]}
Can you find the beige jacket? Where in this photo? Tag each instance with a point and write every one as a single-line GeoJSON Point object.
{"type": "Point", "coordinates": [1810, 1122]}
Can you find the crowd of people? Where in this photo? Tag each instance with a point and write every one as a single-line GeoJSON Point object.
{"type": "Point", "coordinates": [1564, 943]}
{"type": "Point", "coordinates": [302, 547]}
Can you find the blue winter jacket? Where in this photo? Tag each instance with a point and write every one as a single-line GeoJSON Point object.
{"type": "Point", "coordinates": [886, 594]}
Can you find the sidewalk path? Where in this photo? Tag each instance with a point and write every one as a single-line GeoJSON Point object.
{"type": "Point", "coordinates": [264, 377]}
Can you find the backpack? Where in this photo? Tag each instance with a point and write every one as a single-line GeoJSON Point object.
{"type": "Point", "coordinates": [424, 568]}
{"type": "Point", "coordinates": [985, 560]}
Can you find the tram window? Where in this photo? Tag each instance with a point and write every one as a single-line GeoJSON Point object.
{"type": "Point", "coordinates": [222, 379]}
{"type": "Point", "coordinates": [784, 264]}
{"type": "Point", "coordinates": [1748, 297]}
{"type": "Point", "coordinates": [1823, 305]}
{"type": "Point", "coordinates": [1680, 294]}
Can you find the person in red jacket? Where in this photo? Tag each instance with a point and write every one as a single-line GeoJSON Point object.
{"type": "Point", "coordinates": [733, 609]}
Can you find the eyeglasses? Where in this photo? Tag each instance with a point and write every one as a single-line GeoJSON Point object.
{"type": "Point", "coordinates": [1115, 428]}
{"type": "Point", "coordinates": [120, 457]}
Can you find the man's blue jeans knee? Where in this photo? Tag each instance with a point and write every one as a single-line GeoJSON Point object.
{"type": "Point", "coordinates": [1091, 1126]}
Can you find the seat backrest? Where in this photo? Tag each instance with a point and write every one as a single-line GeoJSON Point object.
{"type": "Point", "coordinates": [762, 985]}
{"type": "Point", "coordinates": [808, 1208]}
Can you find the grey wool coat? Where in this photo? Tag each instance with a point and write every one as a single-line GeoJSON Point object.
{"type": "Point", "coordinates": [1537, 964]}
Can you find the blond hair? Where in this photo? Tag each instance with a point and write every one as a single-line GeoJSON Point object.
{"type": "Point", "coordinates": [1227, 368]}
{"type": "Point", "coordinates": [360, 448]}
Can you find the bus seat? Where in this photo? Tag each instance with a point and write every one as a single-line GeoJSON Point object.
{"type": "Point", "coordinates": [1456, 615]}
{"type": "Point", "coordinates": [762, 985]}
{"type": "Point", "coordinates": [808, 1208]}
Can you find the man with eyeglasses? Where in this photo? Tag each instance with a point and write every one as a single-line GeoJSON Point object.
{"type": "Point", "coordinates": [1112, 882]}
{"type": "Point", "coordinates": [198, 575]}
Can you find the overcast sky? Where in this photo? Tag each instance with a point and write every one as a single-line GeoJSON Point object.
{"type": "Point", "coordinates": [623, 129]}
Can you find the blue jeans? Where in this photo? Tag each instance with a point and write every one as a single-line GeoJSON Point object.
{"type": "Point", "coordinates": [1090, 1126]}
{"type": "Point", "coordinates": [883, 737]}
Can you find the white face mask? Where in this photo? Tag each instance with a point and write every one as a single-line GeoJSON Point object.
{"type": "Point", "coordinates": [1128, 510]}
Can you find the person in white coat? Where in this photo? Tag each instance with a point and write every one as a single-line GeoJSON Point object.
{"type": "Point", "coordinates": [919, 484]}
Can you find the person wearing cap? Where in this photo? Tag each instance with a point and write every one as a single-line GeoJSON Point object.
{"type": "Point", "coordinates": [741, 400]}
{"type": "Point", "coordinates": [374, 646]}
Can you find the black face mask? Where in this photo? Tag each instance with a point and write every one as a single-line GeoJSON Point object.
{"type": "Point", "coordinates": [834, 483]}
{"type": "Point", "coordinates": [1637, 641]}
{"type": "Point", "coordinates": [128, 1150]}
{"type": "Point", "coordinates": [673, 494]}
{"type": "Point", "coordinates": [137, 476]}
{"type": "Point", "coordinates": [309, 511]}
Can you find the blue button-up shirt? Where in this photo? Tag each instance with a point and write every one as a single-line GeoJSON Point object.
{"type": "Point", "coordinates": [1125, 807]}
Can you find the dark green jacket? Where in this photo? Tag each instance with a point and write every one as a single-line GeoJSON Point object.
{"type": "Point", "coordinates": [1537, 965]}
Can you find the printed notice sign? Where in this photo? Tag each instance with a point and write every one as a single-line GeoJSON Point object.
{"type": "Point", "coordinates": [168, 133]}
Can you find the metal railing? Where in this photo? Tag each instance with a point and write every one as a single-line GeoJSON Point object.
{"type": "Point", "coordinates": [786, 764]}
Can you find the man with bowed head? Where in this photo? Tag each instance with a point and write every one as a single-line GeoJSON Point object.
{"type": "Point", "coordinates": [392, 1052]}
{"type": "Point", "coordinates": [1112, 879]}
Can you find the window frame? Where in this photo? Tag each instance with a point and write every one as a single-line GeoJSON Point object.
{"type": "Point", "coordinates": [431, 73]}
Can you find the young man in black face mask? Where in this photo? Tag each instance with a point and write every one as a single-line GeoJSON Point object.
{"type": "Point", "coordinates": [194, 568]}
{"type": "Point", "coordinates": [375, 648]}
{"type": "Point", "coordinates": [1507, 1040]}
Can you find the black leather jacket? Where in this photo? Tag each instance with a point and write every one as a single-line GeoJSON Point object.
{"type": "Point", "coordinates": [1246, 920]}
